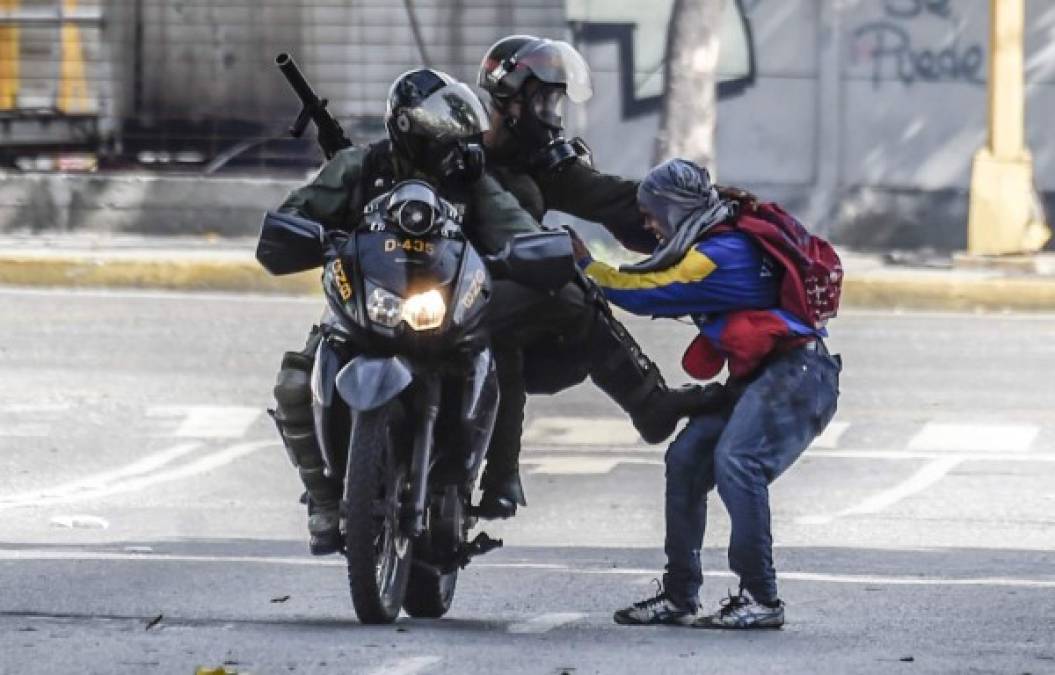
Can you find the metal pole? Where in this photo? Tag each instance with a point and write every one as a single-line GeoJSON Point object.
{"type": "Point", "coordinates": [1005, 213]}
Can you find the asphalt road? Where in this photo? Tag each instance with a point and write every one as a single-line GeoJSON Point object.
{"type": "Point", "coordinates": [139, 478]}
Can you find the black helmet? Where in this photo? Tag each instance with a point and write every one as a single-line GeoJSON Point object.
{"type": "Point", "coordinates": [436, 123]}
{"type": "Point", "coordinates": [558, 71]}
{"type": "Point", "coordinates": [511, 61]}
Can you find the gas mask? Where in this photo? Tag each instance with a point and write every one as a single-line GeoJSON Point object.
{"type": "Point", "coordinates": [539, 130]}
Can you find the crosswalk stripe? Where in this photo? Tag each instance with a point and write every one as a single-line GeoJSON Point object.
{"type": "Point", "coordinates": [974, 437]}
{"type": "Point", "coordinates": [578, 465]}
{"type": "Point", "coordinates": [544, 623]}
{"type": "Point", "coordinates": [406, 666]}
{"type": "Point", "coordinates": [208, 421]}
{"type": "Point", "coordinates": [559, 430]}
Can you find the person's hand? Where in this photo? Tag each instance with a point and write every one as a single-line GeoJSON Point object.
{"type": "Point", "coordinates": [747, 200]}
{"type": "Point", "coordinates": [578, 247]}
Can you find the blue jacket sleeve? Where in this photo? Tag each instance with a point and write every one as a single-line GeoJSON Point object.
{"type": "Point", "coordinates": [722, 273]}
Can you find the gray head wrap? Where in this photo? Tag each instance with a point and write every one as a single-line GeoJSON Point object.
{"type": "Point", "coordinates": [680, 194]}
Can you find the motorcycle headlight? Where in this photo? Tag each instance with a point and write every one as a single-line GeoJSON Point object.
{"type": "Point", "coordinates": [385, 308]}
{"type": "Point", "coordinates": [424, 310]}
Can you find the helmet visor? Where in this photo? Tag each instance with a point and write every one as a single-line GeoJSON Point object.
{"type": "Point", "coordinates": [451, 113]}
{"type": "Point", "coordinates": [557, 62]}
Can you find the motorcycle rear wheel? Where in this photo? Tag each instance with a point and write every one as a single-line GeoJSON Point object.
{"type": "Point", "coordinates": [429, 593]}
{"type": "Point", "coordinates": [379, 555]}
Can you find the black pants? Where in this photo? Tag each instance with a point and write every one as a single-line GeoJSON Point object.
{"type": "Point", "coordinates": [520, 318]}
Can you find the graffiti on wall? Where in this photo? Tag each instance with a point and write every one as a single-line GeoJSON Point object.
{"type": "Point", "coordinates": [894, 53]}
{"type": "Point", "coordinates": [639, 32]}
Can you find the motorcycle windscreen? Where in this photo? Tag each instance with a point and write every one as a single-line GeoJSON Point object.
{"type": "Point", "coordinates": [289, 244]}
{"type": "Point", "coordinates": [406, 265]}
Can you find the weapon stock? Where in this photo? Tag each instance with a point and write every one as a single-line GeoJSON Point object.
{"type": "Point", "coordinates": [331, 136]}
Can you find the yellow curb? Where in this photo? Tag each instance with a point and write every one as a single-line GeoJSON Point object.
{"type": "Point", "coordinates": [950, 293]}
{"type": "Point", "coordinates": [895, 291]}
{"type": "Point", "coordinates": [213, 275]}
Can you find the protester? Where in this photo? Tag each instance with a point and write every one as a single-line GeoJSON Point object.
{"type": "Point", "coordinates": [782, 389]}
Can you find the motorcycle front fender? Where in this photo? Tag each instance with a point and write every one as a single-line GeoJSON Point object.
{"type": "Point", "coordinates": [366, 383]}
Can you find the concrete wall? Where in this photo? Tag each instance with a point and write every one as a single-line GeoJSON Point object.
{"type": "Point", "coordinates": [137, 203]}
{"type": "Point", "coordinates": [863, 117]}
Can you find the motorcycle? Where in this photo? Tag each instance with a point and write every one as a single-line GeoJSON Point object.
{"type": "Point", "coordinates": [404, 387]}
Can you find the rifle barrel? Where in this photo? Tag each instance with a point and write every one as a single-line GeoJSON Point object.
{"type": "Point", "coordinates": [296, 79]}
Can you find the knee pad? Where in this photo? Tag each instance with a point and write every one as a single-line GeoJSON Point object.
{"type": "Point", "coordinates": [293, 390]}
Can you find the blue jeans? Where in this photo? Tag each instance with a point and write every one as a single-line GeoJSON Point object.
{"type": "Point", "coordinates": [773, 421]}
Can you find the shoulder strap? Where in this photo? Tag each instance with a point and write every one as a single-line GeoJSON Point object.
{"type": "Point", "coordinates": [378, 173]}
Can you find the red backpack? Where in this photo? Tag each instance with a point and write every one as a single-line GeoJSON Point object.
{"type": "Point", "coordinates": [813, 274]}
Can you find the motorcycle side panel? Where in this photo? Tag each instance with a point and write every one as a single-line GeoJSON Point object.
{"type": "Point", "coordinates": [367, 382]}
{"type": "Point", "coordinates": [479, 409]}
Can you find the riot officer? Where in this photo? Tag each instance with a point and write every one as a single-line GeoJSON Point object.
{"type": "Point", "coordinates": [434, 124]}
{"type": "Point", "coordinates": [528, 81]}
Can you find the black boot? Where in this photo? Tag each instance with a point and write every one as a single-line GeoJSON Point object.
{"type": "Point", "coordinates": [622, 370]}
{"type": "Point", "coordinates": [657, 416]}
{"type": "Point", "coordinates": [501, 497]}
{"type": "Point", "coordinates": [502, 489]}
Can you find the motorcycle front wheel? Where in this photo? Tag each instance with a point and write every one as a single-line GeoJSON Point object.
{"type": "Point", "coordinates": [379, 555]}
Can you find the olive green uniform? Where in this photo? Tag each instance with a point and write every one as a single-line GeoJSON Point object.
{"type": "Point", "coordinates": [583, 192]}
{"type": "Point", "coordinates": [337, 195]}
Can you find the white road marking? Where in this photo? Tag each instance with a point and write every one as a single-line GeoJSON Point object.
{"type": "Point", "coordinates": [544, 623]}
{"type": "Point", "coordinates": [829, 440]}
{"type": "Point", "coordinates": [915, 581]}
{"type": "Point", "coordinates": [209, 421]}
{"type": "Point", "coordinates": [31, 408]}
{"type": "Point", "coordinates": [23, 430]}
{"type": "Point", "coordinates": [92, 483]}
{"type": "Point", "coordinates": [900, 456]}
{"type": "Point", "coordinates": [406, 666]}
{"type": "Point", "coordinates": [32, 427]}
{"type": "Point", "coordinates": [974, 437]}
{"type": "Point", "coordinates": [574, 465]}
{"type": "Point", "coordinates": [81, 522]}
{"type": "Point", "coordinates": [559, 430]}
{"type": "Point", "coordinates": [29, 555]}
{"type": "Point", "coordinates": [40, 555]}
{"type": "Point", "coordinates": [206, 464]}
{"type": "Point", "coordinates": [581, 461]}
{"type": "Point", "coordinates": [928, 475]}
